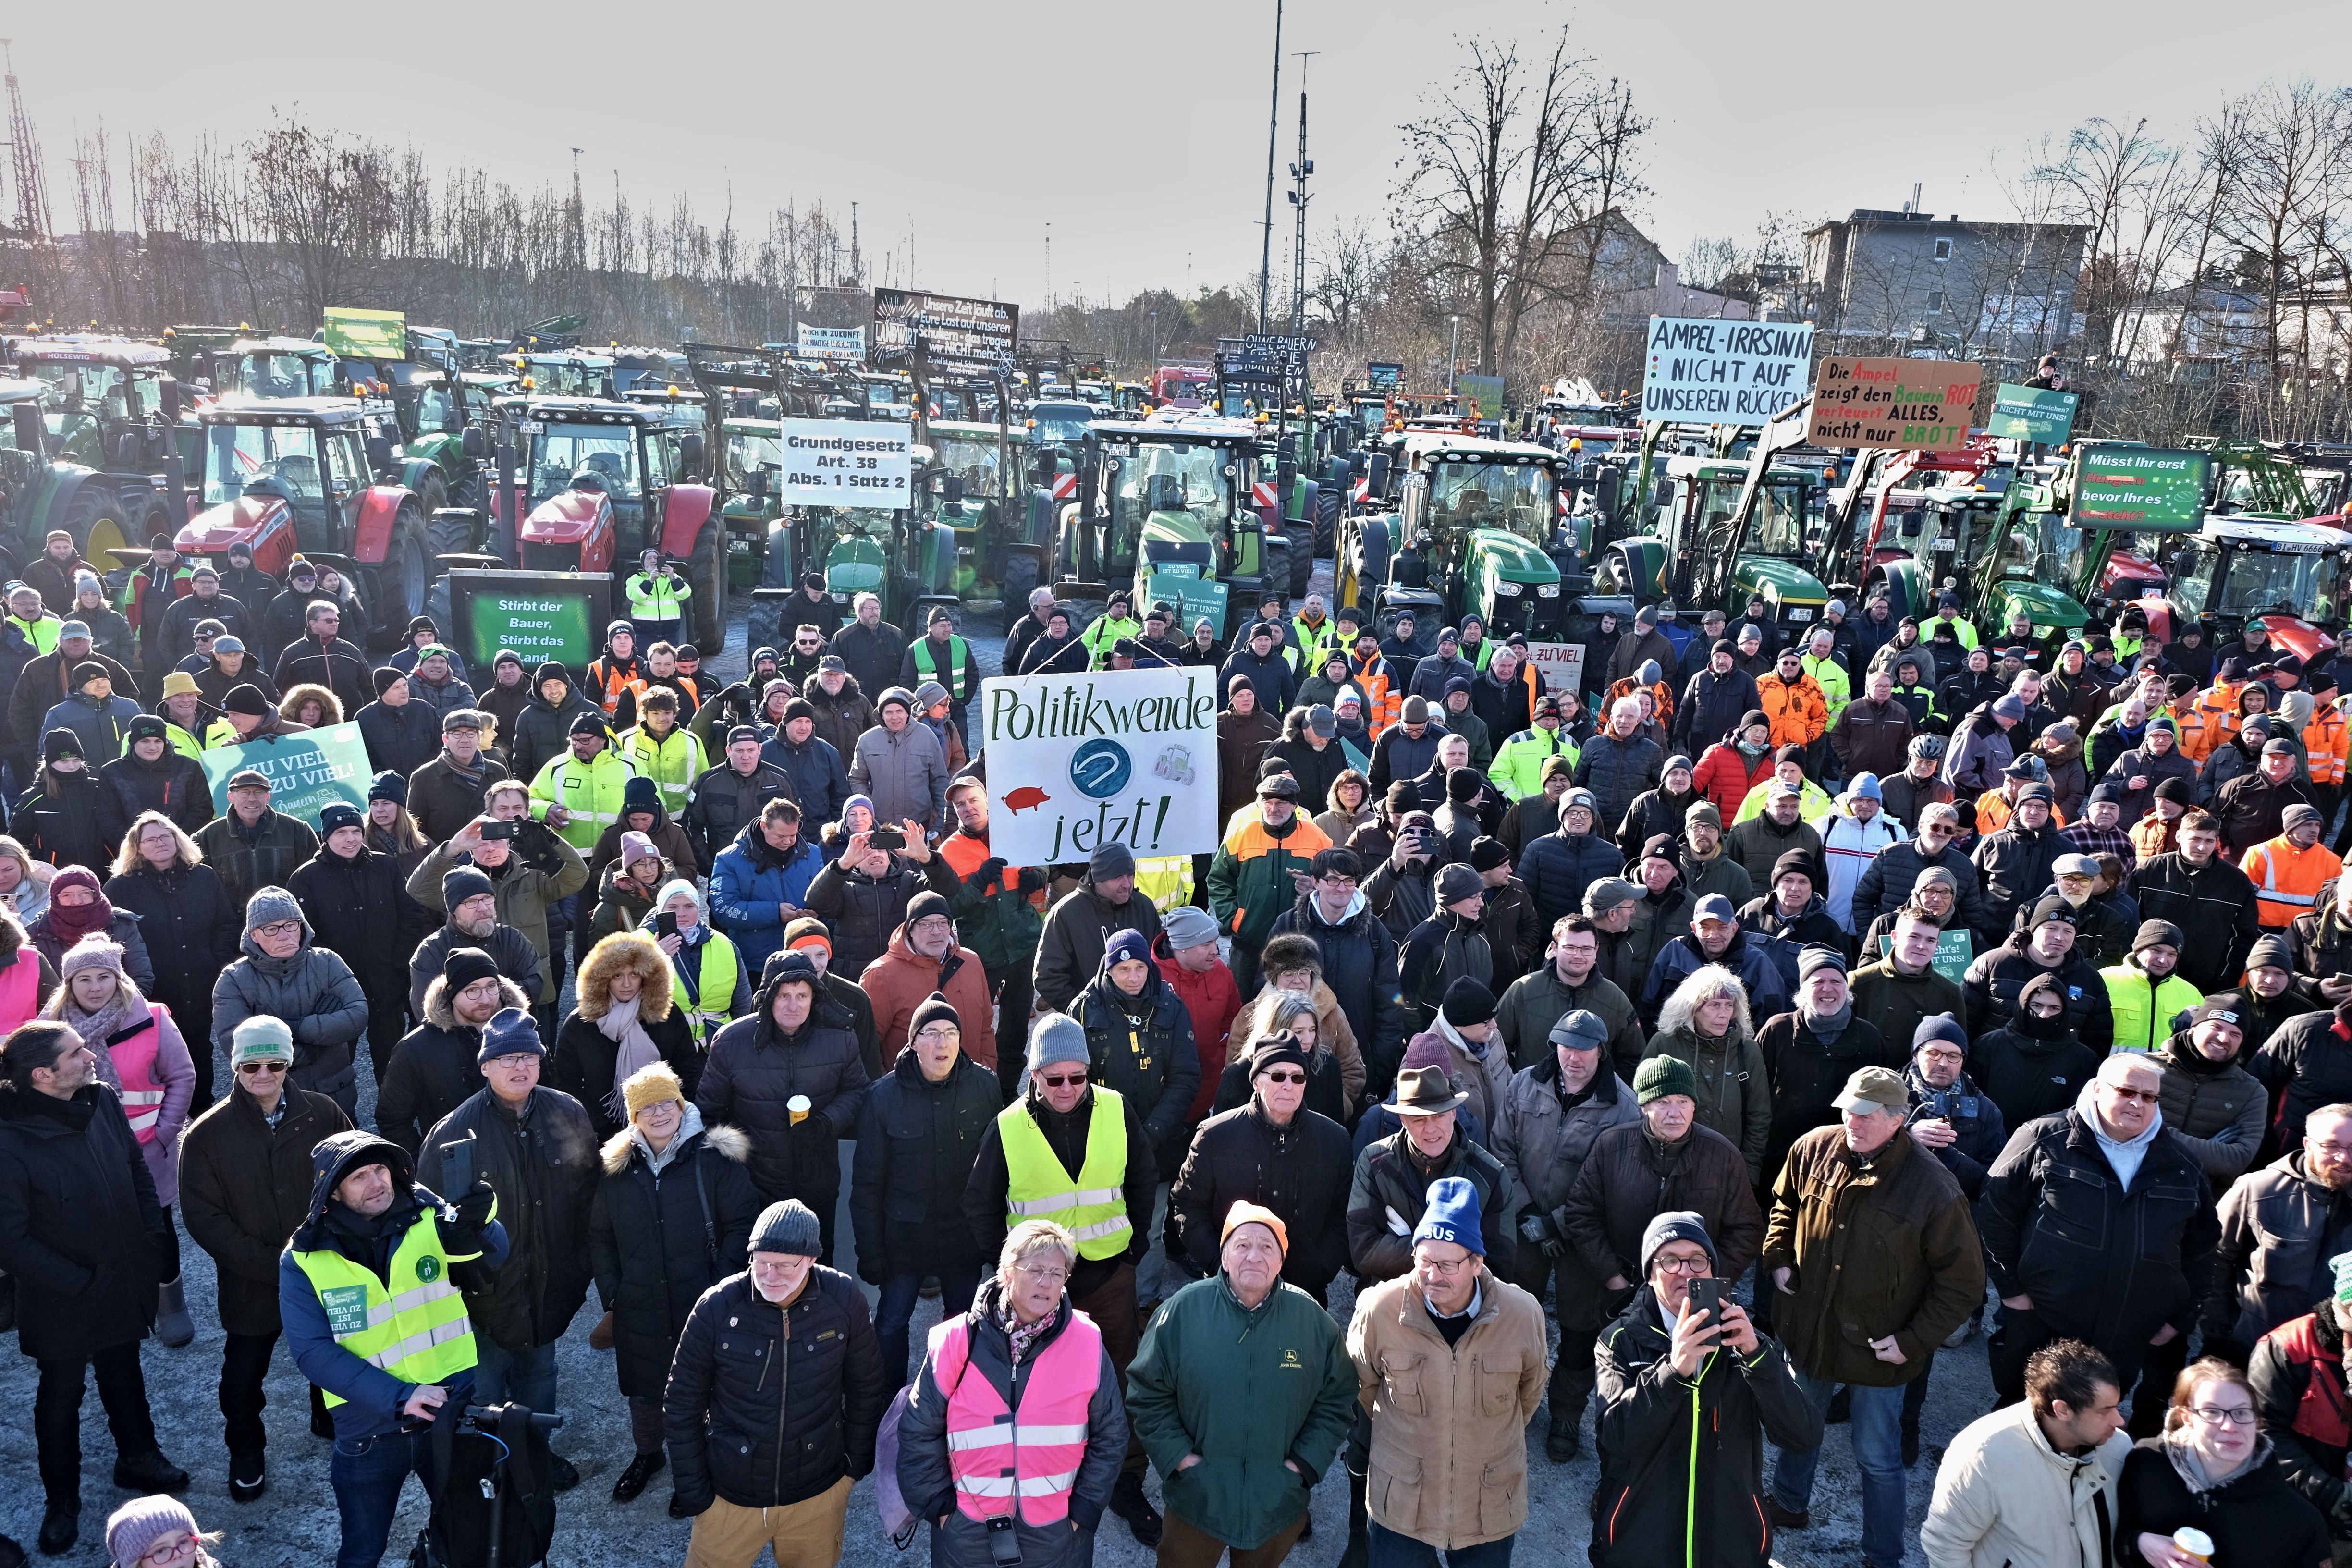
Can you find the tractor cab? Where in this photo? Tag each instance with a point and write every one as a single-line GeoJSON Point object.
{"type": "Point", "coordinates": [298, 476]}
{"type": "Point", "coordinates": [595, 469]}
{"type": "Point", "coordinates": [565, 374]}
{"type": "Point", "coordinates": [2291, 577]}
{"type": "Point", "coordinates": [1771, 557]}
{"type": "Point", "coordinates": [975, 487]}
{"type": "Point", "coordinates": [1954, 539]}
{"type": "Point", "coordinates": [102, 398]}
{"type": "Point", "coordinates": [1475, 523]}
{"type": "Point", "coordinates": [1174, 496]}
{"type": "Point", "coordinates": [274, 368]}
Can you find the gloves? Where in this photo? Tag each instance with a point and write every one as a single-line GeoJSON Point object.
{"type": "Point", "coordinates": [1397, 1226]}
{"type": "Point", "coordinates": [1032, 879]}
{"type": "Point", "coordinates": [1555, 1245]}
{"type": "Point", "coordinates": [989, 870]}
{"type": "Point", "coordinates": [464, 1234]}
{"type": "Point", "coordinates": [1534, 1230]}
{"type": "Point", "coordinates": [874, 1271]}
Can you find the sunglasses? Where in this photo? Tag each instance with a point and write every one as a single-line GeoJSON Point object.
{"type": "Point", "coordinates": [260, 1069]}
{"type": "Point", "coordinates": [1063, 1080]}
{"type": "Point", "coordinates": [1293, 1077]}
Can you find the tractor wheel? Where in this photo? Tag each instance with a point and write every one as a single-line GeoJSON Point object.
{"type": "Point", "coordinates": [451, 536]}
{"type": "Point", "coordinates": [1275, 564]}
{"type": "Point", "coordinates": [707, 575]}
{"type": "Point", "coordinates": [1015, 584]}
{"type": "Point", "coordinates": [1326, 519]}
{"type": "Point", "coordinates": [99, 523]}
{"type": "Point", "coordinates": [1302, 558]}
{"type": "Point", "coordinates": [404, 577]}
{"type": "Point", "coordinates": [776, 559]}
{"type": "Point", "coordinates": [1084, 613]}
{"type": "Point", "coordinates": [766, 628]}
{"type": "Point", "coordinates": [434, 493]}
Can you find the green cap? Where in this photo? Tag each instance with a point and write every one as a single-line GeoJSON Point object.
{"type": "Point", "coordinates": [1664, 1074]}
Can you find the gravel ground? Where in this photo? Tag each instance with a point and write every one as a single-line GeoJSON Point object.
{"type": "Point", "coordinates": [294, 1524]}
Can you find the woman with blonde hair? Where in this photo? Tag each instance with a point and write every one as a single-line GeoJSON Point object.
{"type": "Point", "coordinates": [1293, 967]}
{"type": "Point", "coordinates": [311, 707]}
{"type": "Point", "coordinates": [625, 1020]}
{"type": "Point", "coordinates": [1280, 1012]}
{"type": "Point", "coordinates": [24, 881]}
{"type": "Point", "coordinates": [2213, 1473]}
{"type": "Point", "coordinates": [1706, 1023]}
{"type": "Point", "coordinates": [188, 922]}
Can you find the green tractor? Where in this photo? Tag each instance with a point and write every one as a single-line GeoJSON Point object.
{"type": "Point", "coordinates": [1468, 526]}
{"type": "Point", "coordinates": [109, 408]}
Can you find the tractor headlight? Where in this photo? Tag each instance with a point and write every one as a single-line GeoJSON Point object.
{"type": "Point", "coordinates": [1511, 589]}
{"type": "Point", "coordinates": [1547, 590]}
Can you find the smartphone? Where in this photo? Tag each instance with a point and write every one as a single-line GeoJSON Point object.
{"type": "Point", "coordinates": [1707, 1295]}
{"type": "Point", "coordinates": [502, 829]}
{"type": "Point", "coordinates": [887, 838]}
{"type": "Point", "coordinates": [2344, 977]}
{"type": "Point", "coordinates": [666, 923]}
{"type": "Point", "coordinates": [458, 1168]}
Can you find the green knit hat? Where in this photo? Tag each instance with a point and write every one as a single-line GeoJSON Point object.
{"type": "Point", "coordinates": [1664, 1074]}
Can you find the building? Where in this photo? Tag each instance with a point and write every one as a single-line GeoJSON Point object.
{"type": "Point", "coordinates": [1903, 281]}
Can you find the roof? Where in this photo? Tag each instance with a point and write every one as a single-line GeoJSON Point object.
{"type": "Point", "coordinates": [83, 348]}
{"type": "Point", "coordinates": [14, 391]}
{"type": "Point", "coordinates": [1211, 428]}
{"type": "Point", "coordinates": [239, 409]}
{"type": "Point", "coordinates": [2298, 538]}
{"type": "Point", "coordinates": [307, 347]}
{"type": "Point", "coordinates": [607, 410]}
{"type": "Point", "coordinates": [1452, 447]}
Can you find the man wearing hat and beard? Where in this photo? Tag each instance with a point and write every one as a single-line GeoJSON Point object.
{"type": "Point", "coordinates": [1434, 1350]}
{"type": "Point", "coordinates": [1275, 1152]}
{"type": "Point", "coordinates": [1076, 1152]}
{"type": "Point", "coordinates": [1548, 1121]}
{"type": "Point", "coordinates": [435, 1069]}
{"type": "Point", "coordinates": [1872, 1260]}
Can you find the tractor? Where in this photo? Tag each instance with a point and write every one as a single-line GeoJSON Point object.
{"type": "Point", "coordinates": [298, 475]}
{"type": "Point", "coordinates": [107, 408]}
{"type": "Point", "coordinates": [2291, 577]}
{"type": "Point", "coordinates": [1471, 531]}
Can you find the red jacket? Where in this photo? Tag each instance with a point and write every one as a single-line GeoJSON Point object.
{"type": "Point", "coordinates": [1213, 1001]}
{"type": "Point", "coordinates": [902, 980]}
{"type": "Point", "coordinates": [1724, 776]}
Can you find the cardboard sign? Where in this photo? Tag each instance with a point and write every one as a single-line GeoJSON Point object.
{"type": "Point", "coordinates": [308, 770]}
{"type": "Point", "coordinates": [1561, 665]}
{"type": "Point", "coordinates": [978, 335]}
{"type": "Point", "coordinates": [2032, 412]}
{"type": "Point", "coordinates": [833, 343]}
{"type": "Point", "coordinates": [1954, 950]}
{"type": "Point", "coordinates": [1193, 597]}
{"type": "Point", "coordinates": [846, 463]}
{"type": "Point", "coordinates": [2140, 487]}
{"type": "Point", "coordinates": [1125, 756]}
{"type": "Point", "coordinates": [1916, 404]}
{"type": "Point", "coordinates": [1724, 372]}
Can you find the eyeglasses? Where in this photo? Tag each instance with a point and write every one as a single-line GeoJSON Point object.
{"type": "Point", "coordinates": [1063, 1080]}
{"type": "Point", "coordinates": [279, 927]}
{"type": "Point", "coordinates": [1693, 1266]}
{"type": "Point", "coordinates": [171, 1550]}
{"type": "Point", "coordinates": [2145, 1095]}
{"type": "Point", "coordinates": [260, 1069]}
{"type": "Point", "coordinates": [2224, 1416]}
{"type": "Point", "coordinates": [1285, 1077]}
{"type": "Point", "coordinates": [1043, 1276]}
{"type": "Point", "coordinates": [940, 1033]}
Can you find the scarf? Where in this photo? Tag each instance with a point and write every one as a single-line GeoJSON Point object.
{"type": "Point", "coordinates": [1020, 1338]}
{"type": "Point", "coordinates": [122, 1009]}
{"type": "Point", "coordinates": [2189, 1464]}
{"type": "Point", "coordinates": [1827, 1026]}
{"type": "Point", "coordinates": [71, 922]}
{"type": "Point", "coordinates": [471, 776]}
{"type": "Point", "coordinates": [690, 1127]}
{"type": "Point", "coordinates": [633, 1048]}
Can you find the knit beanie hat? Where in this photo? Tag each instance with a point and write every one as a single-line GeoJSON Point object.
{"type": "Point", "coordinates": [61, 742]}
{"type": "Point", "coordinates": [789, 1226]}
{"type": "Point", "coordinates": [1244, 1212]}
{"type": "Point", "coordinates": [1664, 1074]}
{"type": "Point", "coordinates": [636, 847]}
{"type": "Point", "coordinates": [1467, 1003]}
{"type": "Point", "coordinates": [1455, 883]}
{"type": "Point", "coordinates": [1674, 1225]}
{"type": "Point", "coordinates": [90, 952]}
{"type": "Point", "coordinates": [933, 1009]}
{"type": "Point", "coordinates": [135, 1527]}
{"type": "Point", "coordinates": [273, 904]}
{"type": "Point", "coordinates": [462, 882]}
{"type": "Point", "coordinates": [261, 1039]}
{"type": "Point", "coordinates": [2270, 953]}
{"type": "Point", "coordinates": [389, 786]}
{"type": "Point", "coordinates": [247, 700]}
{"type": "Point", "coordinates": [510, 1033]}
{"type": "Point", "coordinates": [1452, 1216]}
{"type": "Point", "coordinates": [1280, 1048]}
{"type": "Point", "coordinates": [1057, 1037]}
{"type": "Point", "coordinates": [1110, 862]}
{"type": "Point", "coordinates": [1941, 1027]}
{"type": "Point", "coordinates": [461, 966]}
{"type": "Point", "coordinates": [650, 1085]}
{"type": "Point", "coordinates": [336, 816]}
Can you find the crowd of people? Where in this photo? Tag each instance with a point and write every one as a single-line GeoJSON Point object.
{"type": "Point", "coordinates": [1681, 1064]}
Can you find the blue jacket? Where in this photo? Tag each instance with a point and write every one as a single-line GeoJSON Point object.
{"type": "Point", "coordinates": [100, 726]}
{"type": "Point", "coordinates": [1767, 994]}
{"type": "Point", "coordinates": [1559, 867]}
{"type": "Point", "coordinates": [820, 778]}
{"type": "Point", "coordinates": [1272, 678]}
{"type": "Point", "coordinates": [749, 880]}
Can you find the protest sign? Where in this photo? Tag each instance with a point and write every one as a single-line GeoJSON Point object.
{"type": "Point", "coordinates": [543, 616]}
{"type": "Point", "coordinates": [1179, 584]}
{"type": "Point", "coordinates": [1725, 373]}
{"type": "Point", "coordinates": [1918, 404]}
{"type": "Point", "coordinates": [845, 462]}
{"type": "Point", "coordinates": [1954, 951]}
{"type": "Point", "coordinates": [1561, 665]}
{"type": "Point", "coordinates": [2140, 487]}
{"type": "Point", "coordinates": [1483, 391]}
{"type": "Point", "coordinates": [1125, 756]}
{"type": "Point", "coordinates": [2032, 412]}
{"type": "Point", "coordinates": [977, 336]}
{"type": "Point", "coordinates": [846, 343]}
{"type": "Point", "coordinates": [308, 770]}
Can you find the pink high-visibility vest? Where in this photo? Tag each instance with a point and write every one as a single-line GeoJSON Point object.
{"type": "Point", "coordinates": [1004, 1460]}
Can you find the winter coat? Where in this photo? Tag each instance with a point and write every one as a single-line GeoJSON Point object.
{"type": "Point", "coordinates": [1448, 1466]}
{"type": "Point", "coordinates": [926, 1480]}
{"type": "Point", "coordinates": [173, 784]}
{"type": "Point", "coordinates": [1682, 1477]}
{"type": "Point", "coordinates": [1979, 750]}
{"type": "Point", "coordinates": [248, 859]}
{"type": "Point", "coordinates": [1435, 954]}
{"type": "Point", "coordinates": [740, 1424]}
{"type": "Point", "coordinates": [916, 1143]}
{"type": "Point", "coordinates": [2308, 1064]}
{"type": "Point", "coordinates": [2216, 1109]}
{"type": "Point", "coordinates": [2279, 1228]}
{"type": "Point", "coordinates": [1389, 1176]}
{"type": "Point", "coordinates": [442, 799]}
{"type": "Point", "coordinates": [1653, 812]}
{"type": "Point", "coordinates": [1314, 770]}
{"type": "Point", "coordinates": [753, 1071]}
{"type": "Point", "coordinates": [1616, 772]}
{"type": "Point", "coordinates": [901, 979]}
{"type": "Point", "coordinates": [662, 1231]}
{"type": "Point", "coordinates": [1557, 869]}
{"type": "Point", "coordinates": [1249, 882]}
{"type": "Point", "coordinates": [1783, 937]}
{"type": "Point", "coordinates": [1758, 843]}
{"type": "Point", "coordinates": [2014, 866]}
{"type": "Point", "coordinates": [41, 935]}
{"type": "Point", "coordinates": [1359, 966]}
{"type": "Point", "coordinates": [905, 774]}
{"type": "Point", "coordinates": [842, 716]}
{"type": "Point", "coordinates": [1154, 1066]}
{"type": "Point", "coordinates": [1980, 1133]}
{"type": "Point", "coordinates": [1904, 796]}
{"type": "Point", "coordinates": [2297, 1373]}
{"type": "Point", "coordinates": [70, 819]}
{"type": "Point", "coordinates": [750, 881]}
{"type": "Point", "coordinates": [815, 775]}
{"type": "Point", "coordinates": [243, 1186]}
{"type": "Point", "coordinates": [994, 917]}
{"type": "Point", "coordinates": [1995, 977]}
{"type": "Point", "coordinates": [722, 802]}
{"type": "Point", "coordinates": [2004, 1496]}
{"type": "Point", "coordinates": [1629, 1178]}
{"type": "Point", "coordinates": [540, 869]}
{"type": "Point", "coordinates": [583, 1058]}
{"type": "Point", "coordinates": [2214, 905]}
{"type": "Point", "coordinates": [81, 1233]}
{"type": "Point", "coordinates": [1241, 743]}
{"type": "Point", "coordinates": [336, 664]}
{"type": "Point", "coordinates": [1216, 1379]}
{"type": "Point", "coordinates": [1872, 737]}
{"type": "Point", "coordinates": [196, 930]}
{"type": "Point", "coordinates": [1803, 1074]}
{"type": "Point", "coordinates": [1886, 883]}
{"type": "Point", "coordinates": [44, 683]}
{"type": "Point", "coordinates": [1403, 895]}
{"type": "Point", "coordinates": [1725, 774]}
{"type": "Point", "coordinates": [543, 731]}
{"type": "Point", "coordinates": [434, 1069]}
{"type": "Point", "coordinates": [1396, 755]}
{"type": "Point", "coordinates": [403, 738]}
{"type": "Point", "coordinates": [2104, 1264]}
{"type": "Point", "coordinates": [1077, 928]}
{"type": "Point", "coordinates": [1896, 1004]}
{"type": "Point", "coordinates": [543, 1166]}
{"type": "Point", "coordinates": [358, 912]}
{"type": "Point", "coordinates": [863, 913]}
{"type": "Point", "coordinates": [1711, 708]}
{"type": "Point", "coordinates": [1300, 1171]}
{"type": "Point", "coordinates": [2255, 1516]}
{"type": "Point", "coordinates": [1878, 1248]}
{"type": "Point", "coordinates": [1747, 956]}
{"type": "Point", "coordinates": [316, 995]}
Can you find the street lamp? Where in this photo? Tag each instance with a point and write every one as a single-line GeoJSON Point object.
{"type": "Point", "coordinates": [1155, 340]}
{"type": "Point", "coordinates": [1453, 355]}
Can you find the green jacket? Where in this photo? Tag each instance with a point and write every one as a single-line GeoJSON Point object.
{"type": "Point", "coordinates": [1245, 1391]}
{"type": "Point", "coordinates": [1537, 1000]}
{"type": "Point", "coordinates": [1517, 769]}
{"type": "Point", "coordinates": [1473, 729]}
{"type": "Point", "coordinates": [2144, 1013]}
{"type": "Point", "coordinates": [1249, 882]}
{"type": "Point", "coordinates": [1837, 689]}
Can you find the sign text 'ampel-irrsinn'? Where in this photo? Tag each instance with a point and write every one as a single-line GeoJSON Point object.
{"type": "Point", "coordinates": [846, 462]}
{"type": "Point", "coordinates": [1724, 372]}
{"type": "Point", "coordinates": [1113, 757]}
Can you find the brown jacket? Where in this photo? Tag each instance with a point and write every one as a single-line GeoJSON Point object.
{"type": "Point", "coordinates": [1886, 1248]}
{"type": "Point", "coordinates": [1449, 1454]}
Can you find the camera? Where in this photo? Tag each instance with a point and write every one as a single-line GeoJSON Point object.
{"type": "Point", "coordinates": [502, 829]}
{"type": "Point", "coordinates": [666, 923]}
{"type": "Point", "coordinates": [887, 838]}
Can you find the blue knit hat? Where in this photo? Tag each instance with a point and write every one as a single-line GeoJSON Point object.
{"type": "Point", "coordinates": [1452, 1216]}
{"type": "Point", "coordinates": [1941, 1026]}
{"type": "Point", "coordinates": [510, 1033]}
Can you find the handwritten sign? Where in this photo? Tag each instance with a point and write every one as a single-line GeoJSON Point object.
{"type": "Point", "coordinates": [1916, 405]}
{"type": "Point", "coordinates": [1724, 372]}
{"type": "Point", "coordinates": [1125, 756]}
{"type": "Point", "coordinates": [308, 770]}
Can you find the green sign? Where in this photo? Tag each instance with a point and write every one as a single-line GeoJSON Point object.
{"type": "Point", "coordinates": [2033, 413]}
{"type": "Point", "coordinates": [1954, 950]}
{"type": "Point", "coordinates": [541, 616]}
{"type": "Point", "coordinates": [308, 770]}
{"type": "Point", "coordinates": [2140, 487]}
{"type": "Point", "coordinates": [1193, 597]}
{"type": "Point", "coordinates": [1487, 390]}
{"type": "Point", "coordinates": [366, 335]}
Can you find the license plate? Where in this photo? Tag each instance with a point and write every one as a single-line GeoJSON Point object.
{"type": "Point", "coordinates": [532, 426]}
{"type": "Point", "coordinates": [1800, 615]}
{"type": "Point", "coordinates": [1948, 546]}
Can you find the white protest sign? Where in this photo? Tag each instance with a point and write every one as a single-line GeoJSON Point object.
{"type": "Point", "coordinates": [1725, 373]}
{"type": "Point", "coordinates": [1561, 665]}
{"type": "Point", "coordinates": [832, 343]}
{"type": "Point", "coordinates": [846, 462]}
{"type": "Point", "coordinates": [1123, 756]}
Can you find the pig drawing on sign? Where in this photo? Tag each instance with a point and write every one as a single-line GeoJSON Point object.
{"type": "Point", "coordinates": [1028, 797]}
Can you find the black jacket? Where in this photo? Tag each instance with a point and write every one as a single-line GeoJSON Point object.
{"type": "Point", "coordinates": [335, 664]}
{"type": "Point", "coordinates": [1805, 1075]}
{"type": "Point", "coordinates": [660, 1238]}
{"type": "Point", "coordinates": [243, 1186]}
{"type": "Point", "coordinates": [264, 856]}
{"type": "Point", "coordinates": [2255, 1516]}
{"type": "Point", "coordinates": [1389, 1176]}
{"type": "Point", "coordinates": [2214, 905]}
{"type": "Point", "coordinates": [861, 912]}
{"type": "Point", "coordinates": [444, 800]}
{"type": "Point", "coordinates": [1994, 978]}
{"type": "Point", "coordinates": [190, 928]}
{"type": "Point", "coordinates": [723, 803]}
{"type": "Point", "coordinates": [2014, 864]}
{"type": "Point", "coordinates": [816, 777]}
{"type": "Point", "coordinates": [508, 948]}
{"type": "Point", "coordinates": [1077, 928]}
{"type": "Point", "coordinates": [2027, 1078]}
{"type": "Point", "coordinates": [543, 731]}
{"type": "Point", "coordinates": [1301, 1171]}
{"type": "Point", "coordinates": [70, 819]}
{"type": "Point", "coordinates": [917, 1143]}
{"type": "Point", "coordinates": [403, 738]}
{"type": "Point", "coordinates": [2104, 1264]}
{"type": "Point", "coordinates": [1711, 708]}
{"type": "Point", "coordinates": [80, 1232]}
{"type": "Point", "coordinates": [583, 1058]}
{"type": "Point", "coordinates": [1886, 883]}
{"type": "Point", "coordinates": [434, 1069]}
{"type": "Point", "coordinates": [360, 911]}
{"type": "Point", "coordinates": [1659, 1436]}
{"type": "Point", "coordinates": [542, 1166]}
{"type": "Point", "coordinates": [173, 784]}
{"type": "Point", "coordinates": [1974, 1117]}
{"type": "Point", "coordinates": [1142, 1046]}
{"type": "Point", "coordinates": [753, 1070]}
{"type": "Point", "coordinates": [743, 1425]}
{"type": "Point", "coordinates": [2308, 1064]}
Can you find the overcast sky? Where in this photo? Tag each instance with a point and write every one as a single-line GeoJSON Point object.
{"type": "Point", "coordinates": [1139, 132]}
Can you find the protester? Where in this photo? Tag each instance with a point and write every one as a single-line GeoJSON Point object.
{"type": "Point", "coordinates": [1275, 1152]}
{"type": "Point", "coordinates": [2033, 1484]}
{"type": "Point", "coordinates": [253, 846]}
{"type": "Point", "coordinates": [160, 882]}
{"type": "Point", "coordinates": [1706, 1025]}
{"type": "Point", "coordinates": [285, 974]}
{"type": "Point", "coordinates": [357, 906]}
{"type": "Point", "coordinates": [2212, 1471]}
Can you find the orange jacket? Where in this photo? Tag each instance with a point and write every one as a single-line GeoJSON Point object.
{"type": "Point", "coordinates": [2153, 835]}
{"type": "Point", "coordinates": [1993, 811]}
{"type": "Point", "coordinates": [2192, 731]}
{"type": "Point", "coordinates": [1382, 701]}
{"type": "Point", "coordinates": [2218, 703]}
{"type": "Point", "coordinates": [1798, 713]}
{"type": "Point", "coordinates": [2323, 744]}
{"type": "Point", "coordinates": [1661, 695]}
{"type": "Point", "coordinates": [2286, 879]}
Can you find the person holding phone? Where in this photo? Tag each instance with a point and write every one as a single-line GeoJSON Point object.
{"type": "Point", "coordinates": [1703, 1426]}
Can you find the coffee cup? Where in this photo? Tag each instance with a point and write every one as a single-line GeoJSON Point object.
{"type": "Point", "coordinates": [2194, 1542]}
{"type": "Point", "coordinates": [798, 1105]}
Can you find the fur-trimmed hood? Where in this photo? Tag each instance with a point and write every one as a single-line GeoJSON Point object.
{"type": "Point", "coordinates": [625, 951]}
{"type": "Point", "coordinates": [734, 1145]}
{"type": "Point", "coordinates": [290, 707]}
{"type": "Point", "coordinates": [437, 1011]}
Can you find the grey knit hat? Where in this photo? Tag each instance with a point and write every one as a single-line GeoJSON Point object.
{"type": "Point", "coordinates": [271, 905]}
{"type": "Point", "coordinates": [1057, 1037]}
{"type": "Point", "coordinates": [790, 1226]}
